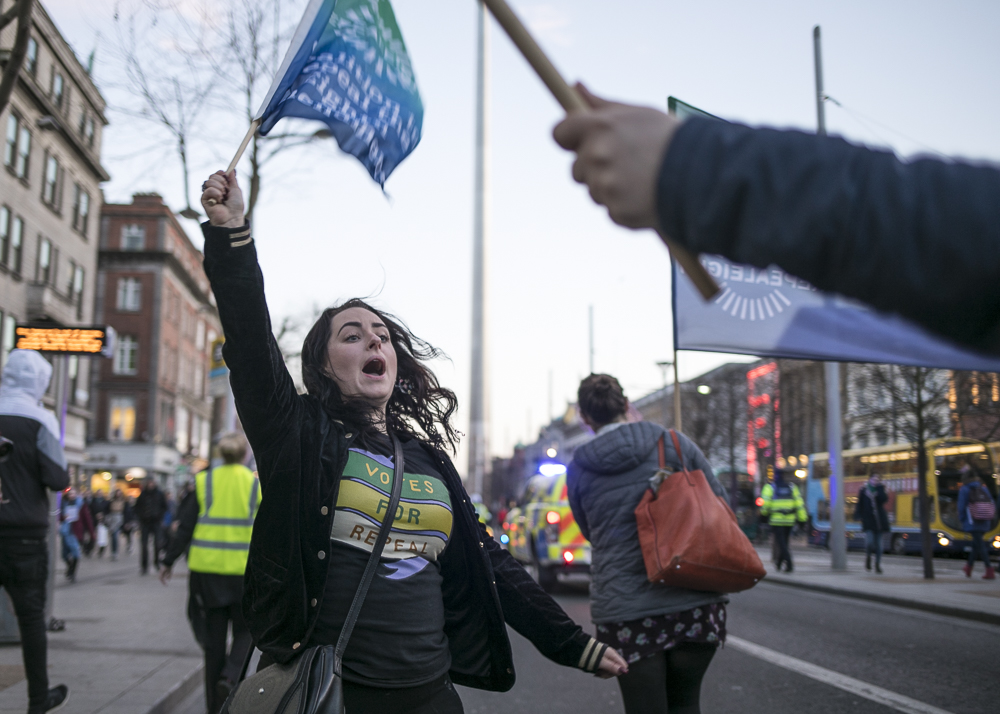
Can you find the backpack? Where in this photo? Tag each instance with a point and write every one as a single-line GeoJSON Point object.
{"type": "Point", "coordinates": [981, 506]}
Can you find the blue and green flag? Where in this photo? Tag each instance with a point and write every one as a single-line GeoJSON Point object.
{"type": "Point", "coordinates": [347, 67]}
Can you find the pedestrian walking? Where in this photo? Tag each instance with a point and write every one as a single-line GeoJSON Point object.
{"type": "Point", "coordinates": [115, 520]}
{"type": "Point", "coordinates": [216, 520]}
{"type": "Point", "coordinates": [102, 537]}
{"type": "Point", "coordinates": [667, 635]}
{"type": "Point", "coordinates": [827, 211]}
{"type": "Point", "coordinates": [783, 507]}
{"type": "Point", "coordinates": [149, 510]}
{"type": "Point", "coordinates": [443, 591]}
{"type": "Point", "coordinates": [977, 511]}
{"type": "Point", "coordinates": [77, 526]}
{"type": "Point", "coordinates": [31, 462]}
{"type": "Point", "coordinates": [129, 523]}
{"type": "Point", "coordinates": [870, 510]}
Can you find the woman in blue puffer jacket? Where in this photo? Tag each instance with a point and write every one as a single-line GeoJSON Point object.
{"type": "Point", "coordinates": [668, 635]}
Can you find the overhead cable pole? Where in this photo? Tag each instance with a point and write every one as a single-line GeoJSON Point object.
{"type": "Point", "coordinates": [590, 318]}
{"type": "Point", "coordinates": [479, 397]}
{"type": "Point", "coordinates": [831, 373]}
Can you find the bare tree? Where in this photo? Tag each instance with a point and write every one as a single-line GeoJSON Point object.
{"type": "Point", "coordinates": [912, 402]}
{"type": "Point", "coordinates": [289, 333]}
{"type": "Point", "coordinates": [200, 71]}
{"type": "Point", "coordinates": [173, 81]}
{"type": "Point", "coordinates": [19, 12]}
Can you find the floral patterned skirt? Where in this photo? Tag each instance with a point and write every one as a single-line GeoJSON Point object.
{"type": "Point", "coordinates": [636, 639]}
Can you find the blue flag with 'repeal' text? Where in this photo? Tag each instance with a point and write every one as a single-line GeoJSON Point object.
{"type": "Point", "coordinates": [347, 67]}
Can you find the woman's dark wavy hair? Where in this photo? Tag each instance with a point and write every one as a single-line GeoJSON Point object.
{"type": "Point", "coordinates": [418, 401]}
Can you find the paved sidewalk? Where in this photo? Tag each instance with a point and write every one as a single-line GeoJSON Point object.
{"type": "Point", "coordinates": [127, 643]}
{"type": "Point", "coordinates": [902, 582]}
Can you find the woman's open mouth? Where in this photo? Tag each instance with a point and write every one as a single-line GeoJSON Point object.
{"type": "Point", "coordinates": [375, 367]}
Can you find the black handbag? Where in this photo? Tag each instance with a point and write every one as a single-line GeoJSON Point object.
{"type": "Point", "coordinates": [312, 683]}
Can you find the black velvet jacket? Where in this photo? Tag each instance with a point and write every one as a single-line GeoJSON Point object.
{"type": "Point", "coordinates": [301, 454]}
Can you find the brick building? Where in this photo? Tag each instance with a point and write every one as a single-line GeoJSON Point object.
{"type": "Point", "coordinates": [152, 402]}
{"type": "Point", "coordinates": [50, 197]}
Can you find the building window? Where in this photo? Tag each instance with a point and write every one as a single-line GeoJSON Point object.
{"type": "Point", "coordinates": [167, 422]}
{"type": "Point", "coordinates": [44, 260]}
{"type": "Point", "coordinates": [88, 131]}
{"type": "Point", "coordinates": [10, 144]}
{"type": "Point", "coordinates": [57, 89]}
{"type": "Point", "coordinates": [129, 294]}
{"type": "Point", "coordinates": [121, 425]}
{"type": "Point", "coordinates": [50, 184]}
{"type": "Point", "coordinates": [182, 443]}
{"type": "Point", "coordinates": [76, 288]}
{"type": "Point", "coordinates": [133, 237]}
{"type": "Point", "coordinates": [8, 335]}
{"type": "Point", "coordinates": [126, 355]}
{"type": "Point", "coordinates": [17, 146]}
{"type": "Point", "coordinates": [31, 60]}
{"type": "Point", "coordinates": [6, 218]}
{"type": "Point", "coordinates": [81, 209]}
{"type": "Point", "coordinates": [12, 259]}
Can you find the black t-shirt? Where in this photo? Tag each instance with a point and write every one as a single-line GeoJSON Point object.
{"type": "Point", "coordinates": [399, 638]}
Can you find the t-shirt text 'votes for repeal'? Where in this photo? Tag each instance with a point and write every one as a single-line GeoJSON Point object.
{"type": "Point", "coordinates": [423, 519]}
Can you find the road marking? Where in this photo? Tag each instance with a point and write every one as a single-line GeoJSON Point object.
{"type": "Point", "coordinates": [834, 679]}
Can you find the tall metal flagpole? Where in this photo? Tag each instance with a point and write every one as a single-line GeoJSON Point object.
{"type": "Point", "coordinates": [831, 371]}
{"type": "Point", "coordinates": [479, 398]}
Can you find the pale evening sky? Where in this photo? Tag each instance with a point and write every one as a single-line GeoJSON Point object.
{"type": "Point", "coordinates": [915, 76]}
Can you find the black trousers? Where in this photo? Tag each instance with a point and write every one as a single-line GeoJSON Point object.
{"type": "Point", "coordinates": [669, 681]}
{"type": "Point", "coordinates": [150, 531]}
{"type": "Point", "coordinates": [24, 570]}
{"type": "Point", "coordinates": [437, 697]}
{"type": "Point", "coordinates": [218, 662]}
{"type": "Point", "coordinates": [781, 535]}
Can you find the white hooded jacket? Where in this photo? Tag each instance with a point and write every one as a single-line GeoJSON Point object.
{"type": "Point", "coordinates": [26, 377]}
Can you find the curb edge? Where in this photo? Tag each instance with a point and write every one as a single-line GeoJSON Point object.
{"type": "Point", "coordinates": [178, 693]}
{"type": "Point", "coordinates": [958, 612]}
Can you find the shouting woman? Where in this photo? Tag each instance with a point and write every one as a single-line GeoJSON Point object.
{"type": "Point", "coordinates": [437, 610]}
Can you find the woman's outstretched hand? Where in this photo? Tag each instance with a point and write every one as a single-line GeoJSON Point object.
{"type": "Point", "coordinates": [222, 200]}
{"type": "Point", "coordinates": [612, 664]}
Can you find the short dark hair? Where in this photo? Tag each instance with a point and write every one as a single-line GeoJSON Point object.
{"type": "Point", "coordinates": [601, 398]}
{"type": "Point", "coordinates": [418, 399]}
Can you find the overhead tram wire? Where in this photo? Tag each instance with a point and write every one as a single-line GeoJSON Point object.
{"type": "Point", "coordinates": [863, 120]}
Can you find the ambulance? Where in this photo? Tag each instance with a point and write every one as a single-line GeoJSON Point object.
{"type": "Point", "coordinates": [541, 530]}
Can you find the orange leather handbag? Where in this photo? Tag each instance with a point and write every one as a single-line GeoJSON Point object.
{"type": "Point", "coordinates": [690, 537]}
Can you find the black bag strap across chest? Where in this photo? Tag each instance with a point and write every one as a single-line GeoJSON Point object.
{"type": "Point", "coordinates": [376, 554]}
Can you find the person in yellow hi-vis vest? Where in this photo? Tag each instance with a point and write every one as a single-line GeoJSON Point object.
{"type": "Point", "coordinates": [784, 507]}
{"type": "Point", "coordinates": [216, 520]}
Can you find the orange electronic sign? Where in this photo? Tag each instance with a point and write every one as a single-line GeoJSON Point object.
{"type": "Point", "coordinates": [66, 340]}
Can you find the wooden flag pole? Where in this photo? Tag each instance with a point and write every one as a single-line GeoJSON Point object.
{"type": "Point", "coordinates": [239, 152]}
{"type": "Point", "coordinates": [572, 101]}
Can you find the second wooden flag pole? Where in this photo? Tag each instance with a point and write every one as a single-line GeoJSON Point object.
{"type": "Point", "coordinates": [571, 101]}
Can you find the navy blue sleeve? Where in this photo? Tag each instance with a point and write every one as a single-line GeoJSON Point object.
{"type": "Point", "coordinates": [918, 238]}
{"type": "Point", "coordinates": [575, 505]}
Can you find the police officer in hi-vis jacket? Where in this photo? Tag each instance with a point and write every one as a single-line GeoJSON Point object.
{"type": "Point", "coordinates": [216, 520]}
{"type": "Point", "coordinates": [784, 507]}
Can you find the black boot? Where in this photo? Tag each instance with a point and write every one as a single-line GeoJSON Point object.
{"type": "Point", "coordinates": [71, 569]}
{"type": "Point", "coordinates": [878, 567]}
{"type": "Point", "coordinates": [56, 697]}
{"type": "Point", "coordinates": [868, 561]}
